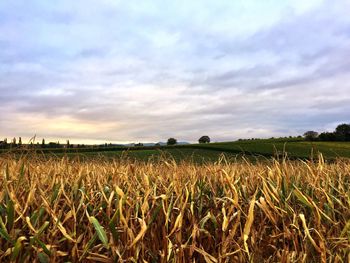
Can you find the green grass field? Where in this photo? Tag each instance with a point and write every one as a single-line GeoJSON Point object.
{"type": "Point", "coordinates": [251, 149]}
{"type": "Point", "coordinates": [293, 149]}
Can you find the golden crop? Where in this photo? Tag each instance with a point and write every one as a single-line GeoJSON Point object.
{"type": "Point", "coordinates": [59, 210]}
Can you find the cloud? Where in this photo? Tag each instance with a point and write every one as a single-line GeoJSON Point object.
{"type": "Point", "coordinates": [113, 71]}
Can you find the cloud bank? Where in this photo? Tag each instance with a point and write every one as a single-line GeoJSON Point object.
{"type": "Point", "coordinates": [96, 71]}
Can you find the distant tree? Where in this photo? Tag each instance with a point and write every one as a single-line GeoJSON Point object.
{"type": "Point", "coordinates": [343, 132]}
{"type": "Point", "coordinates": [310, 135]}
{"type": "Point", "coordinates": [171, 141]}
{"type": "Point", "coordinates": [68, 144]}
{"type": "Point", "coordinates": [327, 136]}
{"type": "Point", "coordinates": [53, 145]}
{"type": "Point", "coordinates": [343, 129]}
{"type": "Point", "coordinates": [204, 139]}
{"type": "Point", "coordinates": [43, 143]}
{"type": "Point", "coordinates": [14, 142]}
{"type": "Point", "coordinates": [19, 141]}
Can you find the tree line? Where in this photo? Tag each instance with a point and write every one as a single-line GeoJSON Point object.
{"type": "Point", "coordinates": [5, 144]}
{"type": "Point", "coordinates": [341, 133]}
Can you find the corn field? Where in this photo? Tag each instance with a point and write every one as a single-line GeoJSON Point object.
{"type": "Point", "coordinates": [66, 210]}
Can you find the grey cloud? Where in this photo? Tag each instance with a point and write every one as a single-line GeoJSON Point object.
{"type": "Point", "coordinates": [264, 84]}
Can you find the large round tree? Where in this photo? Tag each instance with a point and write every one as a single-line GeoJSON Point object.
{"type": "Point", "coordinates": [204, 139]}
{"type": "Point", "coordinates": [343, 131]}
{"type": "Point", "coordinates": [171, 141]}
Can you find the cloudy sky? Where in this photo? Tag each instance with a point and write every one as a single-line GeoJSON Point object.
{"type": "Point", "coordinates": [124, 71]}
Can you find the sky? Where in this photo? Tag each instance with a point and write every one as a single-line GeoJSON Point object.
{"type": "Point", "coordinates": [144, 71]}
